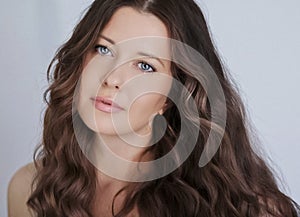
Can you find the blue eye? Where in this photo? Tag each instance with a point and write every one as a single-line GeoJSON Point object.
{"type": "Point", "coordinates": [146, 67]}
{"type": "Point", "coordinates": [103, 50]}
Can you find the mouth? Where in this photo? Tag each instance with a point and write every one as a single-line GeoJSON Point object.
{"type": "Point", "coordinates": [106, 105]}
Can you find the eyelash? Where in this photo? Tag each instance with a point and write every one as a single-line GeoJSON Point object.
{"type": "Point", "coordinates": [153, 69]}
{"type": "Point", "coordinates": [144, 62]}
{"type": "Point", "coordinates": [102, 46]}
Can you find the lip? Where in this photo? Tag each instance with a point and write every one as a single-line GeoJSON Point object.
{"type": "Point", "coordinates": [105, 104]}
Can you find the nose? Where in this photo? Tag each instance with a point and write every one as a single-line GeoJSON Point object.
{"type": "Point", "coordinates": [114, 79]}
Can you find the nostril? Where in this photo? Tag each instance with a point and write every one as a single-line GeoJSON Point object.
{"type": "Point", "coordinates": [105, 83]}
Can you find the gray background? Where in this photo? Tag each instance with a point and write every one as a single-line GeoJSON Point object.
{"type": "Point", "coordinates": [259, 41]}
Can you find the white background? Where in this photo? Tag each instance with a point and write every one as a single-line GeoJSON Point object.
{"type": "Point", "coordinates": [259, 41]}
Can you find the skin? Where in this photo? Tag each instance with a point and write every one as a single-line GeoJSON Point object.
{"type": "Point", "coordinates": [19, 189]}
{"type": "Point", "coordinates": [126, 23]}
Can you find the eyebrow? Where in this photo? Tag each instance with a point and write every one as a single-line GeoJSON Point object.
{"type": "Point", "coordinates": [139, 53]}
{"type": "Point", "coordinates": [107, 39]}
{"type": "Point", "coordinates": [151, 56]}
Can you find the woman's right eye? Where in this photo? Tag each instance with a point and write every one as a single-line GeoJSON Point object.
{"type": "Point", "coordinates": [103, 50]}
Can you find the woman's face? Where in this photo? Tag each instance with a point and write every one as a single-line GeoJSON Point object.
{"type": "Point", "coordinates": [113, 70]}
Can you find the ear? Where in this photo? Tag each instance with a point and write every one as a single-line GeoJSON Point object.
{"type": "Point", "coordinates": [160, 111]}
{"type": "Point", "coordinates": [164, 107]}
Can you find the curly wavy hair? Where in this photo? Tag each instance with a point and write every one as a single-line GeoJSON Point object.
{"type": "Point", "coordinates": [236, 182]}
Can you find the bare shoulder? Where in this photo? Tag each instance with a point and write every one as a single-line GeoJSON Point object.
{"type": "Point", "coordinates": [19, 190]}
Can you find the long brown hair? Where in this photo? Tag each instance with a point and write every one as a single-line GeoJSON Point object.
{"type": "Point", "coordinates": [236, 182]}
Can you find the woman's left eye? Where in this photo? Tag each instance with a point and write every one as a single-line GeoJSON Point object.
{"type": "Point", "coordinates": [146, 67]}
{"type": "Point", "coordinates": [103, 50]}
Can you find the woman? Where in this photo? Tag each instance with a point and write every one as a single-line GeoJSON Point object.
{"type": "Point", "coordinates": [69, 179]}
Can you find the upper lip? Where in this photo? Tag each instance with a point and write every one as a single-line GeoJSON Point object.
{"type": "Point", "coordinates": [106, 100]}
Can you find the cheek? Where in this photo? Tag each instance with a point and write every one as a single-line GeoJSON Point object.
{"type": "Point", "coordinates": [89, 56]}
{"type": "Point", "coordinates": [145, 106]}
{"type": "Point", "coordinates": [91, 76]}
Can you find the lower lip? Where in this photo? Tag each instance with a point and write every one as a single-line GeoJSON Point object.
{"type": "Point", "coordinates": [106, 108]}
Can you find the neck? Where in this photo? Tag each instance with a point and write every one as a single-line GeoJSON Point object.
{"type": "Point", "coordinates": [116, 159]}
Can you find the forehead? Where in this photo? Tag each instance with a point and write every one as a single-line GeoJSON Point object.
{"type": "Point", "coordinates": [127, 23]}
{"type": "Point", "coordinates": [137, 32]}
